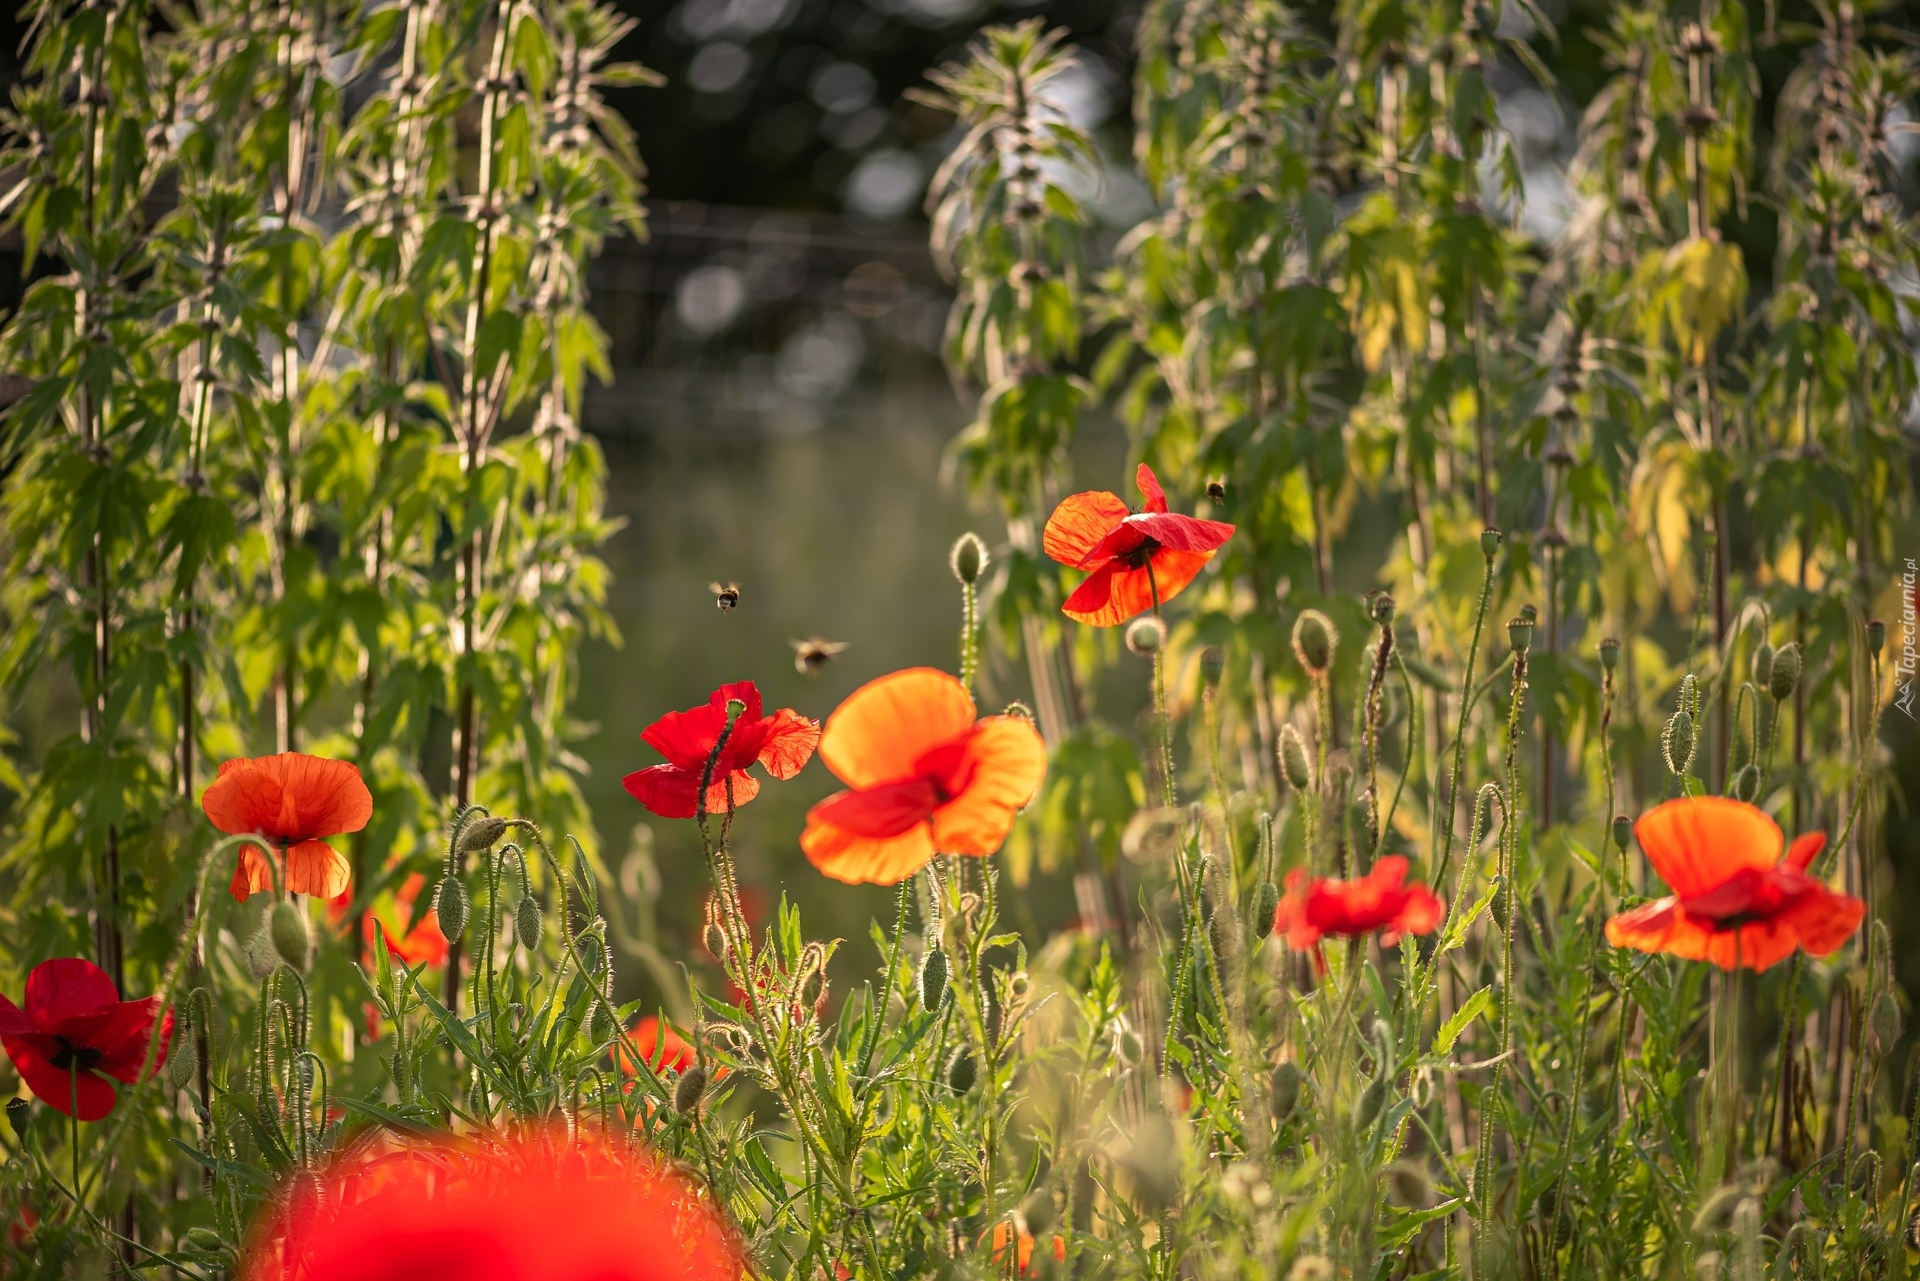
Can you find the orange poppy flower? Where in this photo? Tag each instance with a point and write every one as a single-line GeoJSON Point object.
{"type": "Point", "coordinates": [1008, 1239]}
{"type": "Point", "coordinates": [292, 800]}
{"type": "Point", "coordinates": [1736, 901]}
{"type": "Point", "coordinates": [924, 777]}
{"type": "Point", "coordinates": [782, 743]}
{"type": "Point", "coordinates": [1132, 557]}
{"type": "Point", "coordinates": [658, 1044]}
{"type": "Point", "coordinates": [1380, 900]}
{"type": "Point", "coordinates": [424, 942]}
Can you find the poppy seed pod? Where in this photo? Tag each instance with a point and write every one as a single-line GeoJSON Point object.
{"type": "Point", "coordinates": [1876, 636]}
{"type": "Point", "coordinates": [1520, 633]}
{"type": "Point", "coordinates": [1266, 901]}
{"type": "Point", "coordinates": [450, 907]}
{"type": "Point", "coordinates": [1293, 759]}
{"type": "Point", "coordinates": [962, 1072]}
{"type": "Point", "coordinates": [1883, 1023]}
{"type": "Point", "coordinates": [1314, 640]}
{"type": "Point", "coordinates": [1676, 742]}
{"type": "Point", "coordinates": [1622, 832]}
{"type": "Point", "coordinates": [1786, 672]}
{"type": "Point", "coordinates": [1609, 654]}
{"type": "Point", "coordinates": [688, 1089]}
{"type": "Point", "coordinates": [1213, 664]}
{"type": "Point", "coordinates": [1146, 635]}
{"type": "Point", "coordinates": [1285, 1090]}
{"type": "Point", "coordinates": [19, 1116]}
{"type": "Point", "coordinates": [1490, 540]}
{"type": "Point", "coordinates": [528, 926]}
{"type": "Point", "coordinates": [481, 833]}
{"type": "Point", "coordinates": [968, 558]}
{"type": "Point", "coordinates": [933, 979]}
{"type": "Point", "coordinates": [1762, 665]}
{"type": "Point", "coordinates": [291, 937]}
{"type": "Point", "coordinates": [1381, 607]}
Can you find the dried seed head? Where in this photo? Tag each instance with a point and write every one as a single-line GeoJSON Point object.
{"type": "Point", "coordinates": [962, 1072]}
{"type": "Point", "coordinates": [1876, 637]}
{"type": "Point", "coordinates": [1676, 742]}
{"type": "Point", "coordinates": [933, 979]}
{"type": "Point", "coordinates": [968, 558]}
{"type": "Point", "coordinates": [292, 940]}
{"type": "Point", "coordinates": [450, 907]}
{"type": "Point", "coordinates": [1293, 759]}
{"type": "Point", "coordinates": [1213, 664]}
{"type": "Point", "coordinates": [1786, 672]}
{"type": "Point", "coordinates": [1314, 640]}
{"type": "Point", "coordinates": [528, 925]}
{"type": "Point", "coordinates": [1609, 654]}
{"type": "Point", "coordinates": [481, 833]}
{"type": "Point", "coordinates": [1622, 832]}
{"type": "Point", "coordinates": [1490, 540]}
{"type": "Point", "coordinates": [1266, 901]}
{"type": "Point", "coordinates": [1145, 635]}
{"type": "Point", "coordinates": [688, 1089]}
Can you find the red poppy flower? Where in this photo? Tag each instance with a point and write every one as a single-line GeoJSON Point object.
{"type": "Point", "coordinates": [925, 777]}
{"type": "Point", "coordinates": [294, 801]}
{"type": "Point", "coordinates": [73, 1018]}
{"type": "Point", "coordinates": [783, 742]}
{"type": "Point", "coordinates": [1318, 906]}
{"type": "Point", "coordinates": [528, 1206]}
{"type": "Point", "coordinates": [424, 942]}
{"type": "Point", "coordinates": [1132, 557]}
{"type": "Point", "coordinates": [1735, 901]}
{"type": "Point", "coordinates": [1018, 1242]}
{"type": "Point", "coordinates": [658, 1044]}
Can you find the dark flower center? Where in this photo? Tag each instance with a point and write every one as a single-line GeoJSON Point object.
{"type": "Point", "coordinates": [1139, 556]}
{"type": "Point", "coordinates": [70, 1056]}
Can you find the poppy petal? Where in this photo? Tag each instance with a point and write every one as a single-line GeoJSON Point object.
{"type": "Point", "coordinates": [1805, 848]}
{"type": "Point", "coordinates": [15, 1021]}
{"type": "Point", "coordinates": [1823, 920]}
{"type": "Point", "coordinates": [746, 691]}
{"type": "Point", "coordinates": [789, 744]}
{"type": "Point", "coordinates": [745, 788]}
{"type": "Point", "coordinates": [667, 790]}
{"type": "Point", "coordinates": [1079, 524]}
{"type": "Point", "coordinates": [57, 1087]}
{"type": "Point", "coordinates": [252, 874]}
{"type": "Point", "coordinates": [1173, 570]}
{"type": "Point", "coordinates": [123, 1046]}
{"type": "Point", "coordinates": [1183, 533]}
{"type": "Point", "coordinates": [855, 859]}
{"type": "Point", "coordinates": [1000, 769]}
{"type": "Point", "coordinates": [1150, 488]}
{"type": "Point", "coordinates": [321, 797]}
{"type": "Point", "coordinates": [1658, 926]}
{"type": "Point", "coordinates": [687, 738]}
{"type": "Point", "coordinates": [67, 988]}
{"type": "Point", "coordinates": [883, 811]}
{"type": "Point", "coordinates": [1756, 945]}
{"type": "Point", "coordinates": [315, 867]}
{"type": "Point", "coordinates": [881, 731]}
{"type": "Point", "coordinates": [1696, 843]}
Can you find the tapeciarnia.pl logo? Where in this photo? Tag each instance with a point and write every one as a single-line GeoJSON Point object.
{"type": "Point", "coordinates": [1909, 662]}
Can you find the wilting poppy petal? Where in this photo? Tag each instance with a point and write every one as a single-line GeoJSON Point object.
{"type": "Point", "coordinates": [1000, 769]}
{"type": "Point", "coordinates": [847, 856]}
{"type": "Point", "coordinates": [881, 731]}
{"type": "Point", "coordinates": [1079, 524]}
{"type": "Point", "coordinates": [64, 988]}
{"type": "Point", "coordinates": [1150, 488]}
{"type": "Point", "coordinates": [1805, 848]}
{"type": "Point", "coordinates": [790, 741]}
{"type": "Point", "coordinates": [1697, 843]}
{"type": "Point", "coordinates": [883, 811]}
{"type": "Point", "coordinates": [315, 867]}
{"type": "Point", "coordinates": [252, 874]}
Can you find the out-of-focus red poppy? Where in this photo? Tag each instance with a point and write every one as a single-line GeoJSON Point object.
{"type": "Point", "coordinates": [423, 942]}
{"type": "Point", "coordinates": [73, 1031]}
{"type": "Point", "coordinates": [1017, 1241]}
{"type": "Point", "coordinates": [527, 1206]}
{"type": "Point", "coordinates": [1132, 558]}
{"type": "Point", "coordinates": [294, 801]}
{"type": "Point", "coordinates": [782, 742]}
{"type": "Point", "coordinates": [658, 1044]}
{"type": "Point", "coordinates": [924, 776]}
{"type": "Point", "coordinates": [1736, 901]}
{"type": "Point", "coordinates": [1317, 906]}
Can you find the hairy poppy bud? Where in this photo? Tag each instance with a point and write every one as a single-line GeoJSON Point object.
{"type": "Point", "coordinates": [1217, 491]}
{"type": "Point", "coordinates": [1368, 1105]}
{"type": "Point", "coordinates": [1786, 672]}
{"type": "Point", "coordinates": [600, 1025]}
{"type": "Point", "coordinates": [1490, 540]}
{"type": "Point", "coordinates": [1266, 901]}
{"type": "Point", "coordinates": [1609, 654]}
{"type": "Point", "coordinates": [1520, 633]}
{"type": "Point", "coordinates": [1409, 1182]}
{"type": "Point", "coordinates": [19, 1116]}
{"type": "Point", "coordinates": [1745, 783]}
{"type": "Point", "coordinates": [1145, 635]}
{"type": "Point", "coordinates": [527, 924]}
{"type": "Point", "coordinates": [1213, 664]}
{"type": "Point", "coordinates": [1622, 832]}
{"type": "Point", "coordinates": [450, 907]}
{"type": "Point", "coordinates": [962, 1072]}
{"type": "Point", "coordinates": [1284, 1090]}
{"type": "Point", "coordinates": [1883, 1023]}
{"type": "Point", "coordinates": [204, 1241]}
{"type": "Point", "coordinates": [1876, 637]}
{"type": "Point", "coordinates": [589, 948]}
{"type": "Point", "coordinates": [1314, 639]}
{"type": "Point", "coordinates": [261, 958]}
{"type": "Point", "coordinates": [1293, 759]}
{"type": "Point", "coordinates": [182, 1058]}
{"type": "Point", "coordinates": [291, 937]}
{"type": "Point", "coordinates": [1676, 742]}
{"type": "Point", "coordinates": [1381, 607]}
{"type": "Point", "coordinates": [481, 833]}
{"type": "Point", "coordinates": [933, 979]}
{"type": "Point", "coordinates": [1763, 665]}
{"type": "Point", "coordinates": [968, 558]}
{"type": "Point", "coordinates": [688, 1089]}
{"type": "Point", "coordinates": [1497, 905]}
{"type": "Point", "coordinates": [1127, 1046]}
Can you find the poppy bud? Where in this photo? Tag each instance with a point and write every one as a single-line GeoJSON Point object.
{"type": "Point", "coordinates": [1217, 491]}
{"type": "Point", "coordinates": [1609, 654]}
{"type": "Point", "coordinates": [1145, 635]}
{"type": "Point", "coordinates": [968, 558]}
{"type": "Point", "coordinates": [1786, 672]}
{"type": "Point", "coordinates": [990, 1013]}
{"type": "Point", "coordinates": [182, 1058]}
{"type": "Point", "coordinates": [1213, 664]}
{"type": "Point", "coordinates": [1490, 540]}
{"type": "Point", "coordinates": [1676, 743]}
{"type": "Point", "coordinates": [1883, 1023]}
{"type": "Point", "coordinates": [589, 946]}
{"type": "Point", "coordinates": [1876, 637]}
{"type": "Point", "coordinates": [204, 1241]}
{"type": "Point", "coordinates": [19, 1116]}
{"type": "Point", "coordinates": [261, 958]}
{"type": "Point", "coordinates": [1314, 639]}
{"type": "Point", "coordinates": [962, 1072]}
{"type": "Point", "coordinates": [1368, 1105]}
{"type": "Point", "coordinates": [481, 833]}
{"type": "Point", "coordinates": [1381, 607]}
{"type": "Point", "coordinates": [1266, 901]}
{"type": "Point", "coordinates": [1520, 633]}
{"type": "Point", "coordinates": [933, 979]}
{"type": "Point", "coordinates": [1622, 832]}
{"type": "Point", "coordinates": [291, 937]}
{"type": "Point", "coordinates": [1497, 905]}
{"type": "Point", "coordinates": [1763, 665]}
{"type": "Point", "coordinates": [688, 1089]}
{"type": "Point", "coordinates": [1745, 784]}
{"type": "Point", "coordinates": [450, 907]}
{"type": "Point", "coordinates": [1409, 1182]}
{"type": "Point", "coordinates": [1293, 758]}
{"type": "Point", "coordinates": [1284, 1090]}
{"type": "Point", "coordinates": [600, 1025]}
{"type": "Point", "coordinates": [527, 925]}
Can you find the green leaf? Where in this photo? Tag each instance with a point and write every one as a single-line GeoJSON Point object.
{"type": "Point", "coordinates": [1470, 1009]}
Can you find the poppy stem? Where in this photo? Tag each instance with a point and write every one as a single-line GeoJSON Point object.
{"type": "Point", "coordinates": [1466, 708]}
{"type": "Point", "coordinates": [1161, 722]}
{"type": "Point", "coordinates": [73, 1127]}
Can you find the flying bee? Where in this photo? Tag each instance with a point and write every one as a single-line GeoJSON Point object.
{"type": "Point", "coordinates": [1217, 490]}
{"type": "Point", "coordinates": [809, 656]}
{"type": "Point", "coordinates": [725, 595]}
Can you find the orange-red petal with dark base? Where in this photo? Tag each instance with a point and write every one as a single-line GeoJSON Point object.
{"type": "Point", "coordinates": [1079, 524]}
{"type": "Point", "coordinates": [1697, 843]}
{"type": "Point", "coordinates": [881, 731]}
{"type": "Point", "coordinates": [880, 812]}
{"type": "Point", "coordinates": [1001, 768]}
{"type": "Point", "coordinates": [1116, 592]}
{"type": "Point", "coordinates": [857, 860]}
